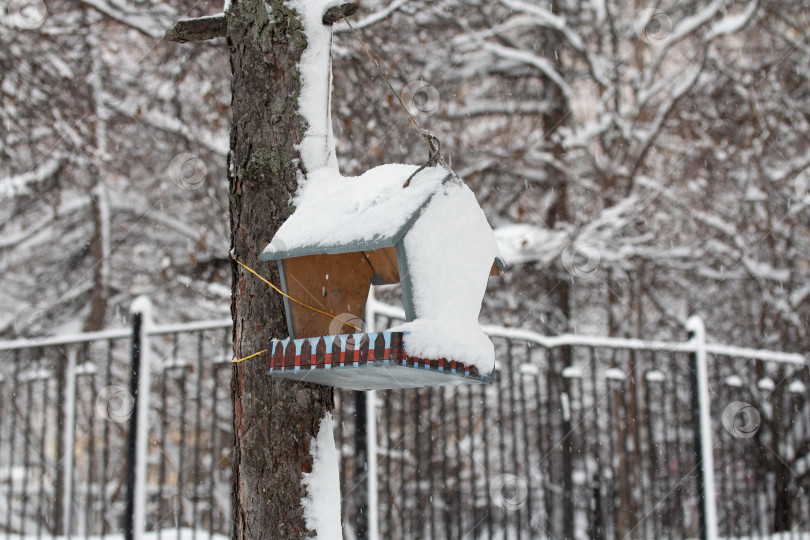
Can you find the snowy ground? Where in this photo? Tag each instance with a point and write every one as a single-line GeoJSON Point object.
{"type": "Point", "coordinates": [174, 534]}
{"type": "Point", "coordinates": [794, 535]}
{"type": "Point", "coordinates": [189, 534]}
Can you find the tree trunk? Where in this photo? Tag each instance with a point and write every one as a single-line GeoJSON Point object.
{"type": "Point", "coordinates": [274, 420]}
{"type": "Point", "coordinates": [100, 249]}
{"type": "Point", "coordinates": [557, 280]}
{"type": "Point", "coordinates": [783, 475]}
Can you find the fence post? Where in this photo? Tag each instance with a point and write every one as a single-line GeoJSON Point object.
{"type": "Point", "coordinates": [567, 447]}
{"type": "Point", "coordinates": [139, 421]}
{"type": "Point", "coordinates": [702, 422]}
{"type": "Point", "coordinates": [371, 434]}
{"type": "Point", "coordinates": [361, 459]}
{"type": "Point", "coordinates": [68, 440]}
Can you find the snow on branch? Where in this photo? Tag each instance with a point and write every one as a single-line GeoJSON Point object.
{"type": "Point", "coordinates": [612, 218]}
{"type": "Point", "coordinates": [683, 29]}
{"type": "Point", "coordinates": [733, 23]}
{"type": "Point", "coordinates": [18, 185]}
{"type": "Point", "coordinates": [212, 141]}
{"type": "Point", "coordinates": [374, 17]}
{"type": "Point", "coordinates": [521, 243]}
{"type": "Point", "coordinates": [525, 57]}
{"type": "Point", "coordinates": [147, 24]}
{"type": "Point", "coordinates": [690, 25]}
{"type": "Point", "coordinates": [762, 270]}
{"type": "Point", "coordinates": [662, 113]}
{"type": "Point", "coordinates": [29, 230]}
{"type": "Point", "coordinates": [484, 107]}
{"type": "Point", "coordinates": [545, 18]}
{"type": "Point", "coordinates": [145, 210]}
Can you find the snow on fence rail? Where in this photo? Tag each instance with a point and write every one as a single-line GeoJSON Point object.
{"type": "Point", "coordinates": [594, 436]}
{"type": "Point", "coordinates": [116, 333]}
{"type": "Point", "coordinates": [379, 308]}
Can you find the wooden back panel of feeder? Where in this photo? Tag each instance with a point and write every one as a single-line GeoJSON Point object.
{"type": "Point", "coordinates": [345, 291]}
{"type": "Point", "coordinates": [337, 284]}
{"type": "Point", "coordinates": [384, 263]}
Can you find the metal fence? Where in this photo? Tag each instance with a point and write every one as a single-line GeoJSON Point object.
{"type": "Point", "coordinates": [600, 438]}
{"type": "Point", "coordinates": [67, 407]}
{"type": "Point", "coordinates": [576, 438]}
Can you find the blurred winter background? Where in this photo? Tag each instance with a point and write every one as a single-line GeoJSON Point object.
{"type": "Point", "coordinates": [640, 163]}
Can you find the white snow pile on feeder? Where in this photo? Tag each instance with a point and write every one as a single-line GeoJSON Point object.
{"type": "Point", "coordinates": [450, 251]}
{"type": "Point", "coordinates": [323, 485]}
{"type": "Point", "coordinates": [434, 235]}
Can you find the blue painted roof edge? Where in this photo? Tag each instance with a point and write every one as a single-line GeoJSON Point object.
{"type": "Point", "coordinates": [370, 245]}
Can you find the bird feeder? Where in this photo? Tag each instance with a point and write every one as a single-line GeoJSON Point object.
{"type": "Point", "coordinates": [348, 233]}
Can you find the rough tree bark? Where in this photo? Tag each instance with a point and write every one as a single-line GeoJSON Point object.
{"type": "Point", "coordinates": [99, 248]}
{"type": "Point", "coordinates": [274, 420]}
{"type": "Point", "coordinates": [558, 281]}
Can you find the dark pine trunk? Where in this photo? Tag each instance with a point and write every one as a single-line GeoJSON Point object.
{"type": "Point", "coordinates": [274, 420]}
{"type": "Point", "coordinates": [558, 280]}
{"type": "Point", "coordinates": [783, 474]}
{"type": "Point", "coordinates": [99, 293]}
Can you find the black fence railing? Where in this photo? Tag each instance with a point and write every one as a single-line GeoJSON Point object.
{"type": "Point", "coordinates": [67, 435]}
{"type": "Point", "coordinates": [60, 461]}
{"type": "Point", "coordinates": [568, 442]}
{"type": "Point", "coordinates": [575, 438]}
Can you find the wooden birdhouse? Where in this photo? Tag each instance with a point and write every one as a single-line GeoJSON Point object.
{"type": "Point", "coordinates": [420, 227]}
{"type": "Point", "coordinates": [348, 233]}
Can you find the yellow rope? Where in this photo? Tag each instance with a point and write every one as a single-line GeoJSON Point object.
{"type": "Point", "coordinates": [282, 293]}
{"type": "Point", "coordinates": [245, 358]}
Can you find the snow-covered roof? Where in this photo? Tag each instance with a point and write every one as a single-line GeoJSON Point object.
{"type": "Point", "coordinates": [337, 214]}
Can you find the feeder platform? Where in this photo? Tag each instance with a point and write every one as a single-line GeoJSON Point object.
{"type": "Point", "coordinates": [376, 361]}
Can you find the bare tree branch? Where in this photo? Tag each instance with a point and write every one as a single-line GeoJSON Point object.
{"type": "Point", "coordinates": [198, 29]}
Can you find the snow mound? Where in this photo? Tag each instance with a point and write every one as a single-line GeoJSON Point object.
{"type": "Point", "coordinates": [322, 502]}
{"type": "Point", "coordinates": [433, 338]}
{"type": "Point", "coordinates": [450, 250]}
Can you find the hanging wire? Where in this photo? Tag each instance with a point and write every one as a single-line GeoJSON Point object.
{"type": "Point", "coordinates": [431, 141]}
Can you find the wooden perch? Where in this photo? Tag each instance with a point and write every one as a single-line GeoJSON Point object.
{"type": "Point", "coordinates": [198, 29]}
{"type": "Point", "coordinates": [203, 28]}
{"type": "Point", "coordinates": [335, 13]}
